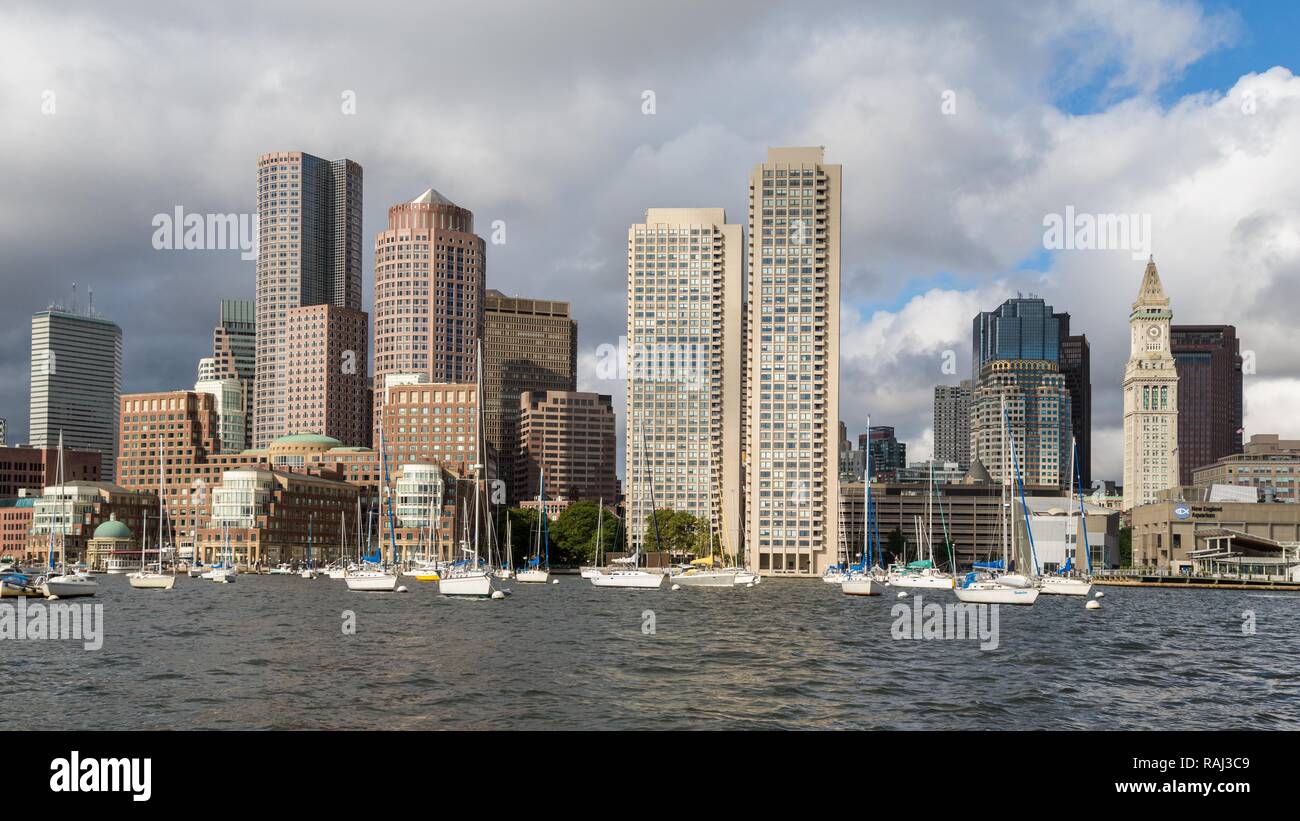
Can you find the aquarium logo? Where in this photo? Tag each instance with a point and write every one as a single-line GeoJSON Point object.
{"type": "Point", "coordinates": [55, 621]}
{"type": "Point", "coordinates": [954, 621]}
{"type": "Point", "coordinates": [1182, 512]}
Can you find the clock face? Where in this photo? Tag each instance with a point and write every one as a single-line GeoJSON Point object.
{"type": "Point", "coordinates": [1154, 332]}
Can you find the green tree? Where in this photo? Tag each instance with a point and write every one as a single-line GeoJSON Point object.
{"type": "Point", "coordinates": [523, 532]}
{"type": "Point", "coordinates": [1126, 547]}
{"type": "Point", "coordinates": [574, 533]}
{"type": "Point", "coordinates": [893, 547]}
{"type": "Point", "coordinates": [680, 532]}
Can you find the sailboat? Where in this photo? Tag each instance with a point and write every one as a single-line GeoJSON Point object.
{"type": "Point", "coordinates": [375, 579]}
{"type": "Point", "coordinates": [309, 568]}
{"type": "Point", "coordinates": [704, 572]}
{"type": "Point", "coordinates": [1064, 583]}
{"type": "Point", "coordinates": [593, 570]}
{"type": "Point", "coordinates": [922, 573]}
{"type": "Point", "coordinates": [989, 584]}
{"type": "Point", "coordinates": [472, 577]}
{"type": "Point", "coordinates": [626, 572]}
{"type": "Point", "coordinates": [868, 578]}
{"type": "Point", "coordinates": [424, 568]}
{"type": "Point", "coordinates": [64, 584]}
{"type": "Point", "coordinates": [224, 572]}
{"type": "Point", "coordinates": [538, 570]}
{"type": "Point", "coordinates": [146, 579]}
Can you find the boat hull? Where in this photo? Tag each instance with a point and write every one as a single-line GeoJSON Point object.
{"type": "Point", "coordinates": [706, 579]}
{"type": "Point", "coordinates": [533, 576]}
{"type": "Point", "coordinates": [639, 581]}
{"type": "Point", "coordinates": [1065, 587]}
{"type": "Point", "coordinates": [922, 582]}
{"type": "Point", "coordinates": [862, 587]}
{"type": "Point", "coordinates": [151, 581]}
{"type": "Point", "coordinates": [475, 584]}
{"type": "Point", "coordinates": [372, 583]}
{"type": "Point", "coordinates": [997, 594]}
{"type": "Point", "coordinates": [590, 572]}
{"type": "Point", "coordinates": [10, 589]}
{"type": "Point", "coordinates": [67, 587]}
{"type": "Point", "coordinates": [221, 576]}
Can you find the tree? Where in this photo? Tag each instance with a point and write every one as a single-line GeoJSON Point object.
{"type": "Point", "coordinates": [574, 533]}
{"type": "Point", "coordinates": [893, 547]}
{"type": "Point", "coordinates": [679, 531]}
{"type": "Point", "coordinates": [523, 526]}
{"type": "Point", "coordinates": [1126, 547]}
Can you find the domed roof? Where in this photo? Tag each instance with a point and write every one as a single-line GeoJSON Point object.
{"type": "Point", "coordinates": [112, 529]}
{"type": "Point", "coordinates": [308, 439]}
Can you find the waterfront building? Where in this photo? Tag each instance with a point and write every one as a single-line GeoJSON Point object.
{"type": "Point", "coordinates": [232, 368]}
{"type": "Point", "coordinates": [567, 439]}
{"type": "Point", "coordinates": [1209, 365]}
{"type": "Point", "coordinates": [16, 520]}
{"type": "Point", "coordinates": [1150, 397]}
{"type": "Point", "coordinates": [1268, 465]}
{"type": "Point", "coordinates": [430, 270]}
{"type": "Point", "coordinates": [73, 510]}
{"type": "Point", "coordinates": [76, 379]}
{"type": "Point", "coordinates": [29, 469]}
{"type": "Point", "coordinates": [308, 253]}
{"type": "Point", "coordinates": [792, 364]}
{"type": "Point", "coordinates": [971, 516]}
{"type": "Point", "coordinates": [528, 345]}
{"type": "Point", "coordinates": [326, 374]}
{"type": "Point", "coordinates": [952, 423]}
{"type": "Point", "coordinates": [684, 335]}
{"type": "Point", "coordinates": [1171, 535]}
{"type": "Point", "coordinates": [436, 423]}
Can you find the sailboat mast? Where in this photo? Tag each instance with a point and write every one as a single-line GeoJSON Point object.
{"type": "Point", "coordinates": [866, 500]}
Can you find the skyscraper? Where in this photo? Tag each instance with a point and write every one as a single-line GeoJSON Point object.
{"type": "Point", "coordinates": [567, 440]}
{"type": "Point", "coordinates": [685, 301]}
{"type": "Point", "coordinates": [76, 382]}
{"type": "Point", "coordinates": [327, 373]}
{"type": "Point", "coordinates": [888, 455]}
{"type": "Point", "coordinates": [308, 253]}
{"type": "Point", "coordinates": [792, 362]}
{"type": "Point", "coordinates": [1150, 397]}
{"type": "Point", "coordinates": [430, 270]}
{"type": "Point", "coordinates": [952, 423]}
{"type": "Point", "coordinates": [528, 345]}
{"type": "Point", "coordinates": [1208, 361]}
{"type": "Point", "coordinates": [1016, 351]}
{"type": "Point", "coordinates": [1076, 366]}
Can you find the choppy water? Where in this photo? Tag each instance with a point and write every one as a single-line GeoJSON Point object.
{"type": "Point", "coordinates": [269, 652]}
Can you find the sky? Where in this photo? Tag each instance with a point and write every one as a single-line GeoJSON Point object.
{"type": "Point", "coordinates": [960, 128]}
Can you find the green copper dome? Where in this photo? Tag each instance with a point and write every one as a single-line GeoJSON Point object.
{"type": "Point", "coordinates": [112, 529]}
{"type": "Point", "coordinates": [308, 439]}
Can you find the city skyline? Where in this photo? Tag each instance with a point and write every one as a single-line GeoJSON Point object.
{"type": "Point", "coordinates": [906, 296]}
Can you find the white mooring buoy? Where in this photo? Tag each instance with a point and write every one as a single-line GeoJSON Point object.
{"type": "Point", "coordinates": [555, 581]}
{"type": "Point", "coordinates": [401, 588]}
{"type": "Point", "coordinates": [497, 594]}
{"type": "Point", "coordinates": [751, 584]}
{"type": "Point", "coordinates": [1093, 605]}
{"type": "Point", "coordinates": [677, 587]}
{"type": "Point", "coordinates": [1098, 594]}
{"type": "Point", "coordinates": [902, 595]}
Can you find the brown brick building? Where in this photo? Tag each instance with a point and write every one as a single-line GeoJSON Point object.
{"type": "Point", "coordinates": [1208, 360]}
{"type": "Point", "coordinates": [570, 437]}
{"type": "Point", "coordinates": [326, 373]}
{"type": "Point", "coordinates": [33, 469]}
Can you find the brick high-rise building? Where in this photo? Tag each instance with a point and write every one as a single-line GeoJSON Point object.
{"type": "Point", "coordinates": [434, 423]}
{"type": "Point", "coordinates": [185, 426]}
{"type": "Point", "coordinates": [308, 253]}
{"type": "Point", "coordinates": [326, 377]}
{"type": "Point", "coordinates": [528, 345]}
{"type": "Point", "coordinates": [568, 438]}
{"type": "Point", "coordinates": [792, 364]}
{"type": "Point", "coordinates": [430, 270]}
{"type": "Point", "coordinates": [1208, 361]}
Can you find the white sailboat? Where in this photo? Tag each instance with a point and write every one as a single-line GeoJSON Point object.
{"type": "Point", "coordinates": [922, 573]}
{"type": "Point", "coordinates": [705, 573]}
{"type": "Point", "coordinates": [593, 570]}
{"type": "Point", "coordinates": [626, 572]}
{"type": "Point", "coordinates": [146, 579]}
{"type": "Point", "coordinates": [375, 579]}
{"type": "Point", "coordinates": [868, 579]}
{"type": "Point", "coordinates": [506, 570]}
{"type": "Point", "coordinates": [65, 585]}
{"type": "Point", "coordinates": [1065, 583]}
{"type": "Point", "coordinates": [472, 577]}
{"type": "Point", "coordinates": [224, 573]}
{"type": "Point", "coordinates": [995, 587]}
{"type": "Point", "coordinates": [538, 566]}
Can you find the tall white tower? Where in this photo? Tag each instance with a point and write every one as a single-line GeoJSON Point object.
{"type": "Point", "coordinates": [1150, 397]}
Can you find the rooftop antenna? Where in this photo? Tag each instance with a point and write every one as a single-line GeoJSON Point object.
{"type": "Point", "coordinates": [74, 297]}
{"type": "Point", "coordinates": [90, 310]}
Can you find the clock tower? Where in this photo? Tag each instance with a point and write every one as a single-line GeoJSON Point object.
{"type": "Point", "coordinates": [1150, 402]}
